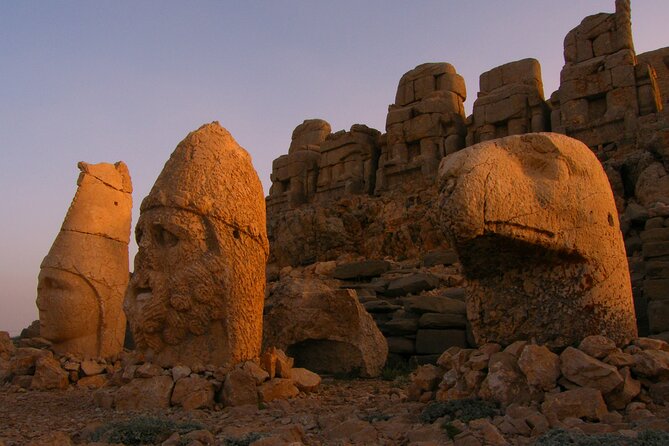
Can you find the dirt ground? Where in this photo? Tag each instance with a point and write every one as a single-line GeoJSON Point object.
{"type": "Point", "coordinates": [338, 410]}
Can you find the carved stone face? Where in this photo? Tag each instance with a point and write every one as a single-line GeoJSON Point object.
{"type": "Point", "coordinates": [68, 307]}
{"type": "Point", "coordinates": [178, 287]}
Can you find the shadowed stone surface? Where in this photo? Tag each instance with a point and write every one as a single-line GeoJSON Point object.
{"type": "Point", "coordinates": [83, 278]}
{"type": "Point", "coordinates": [533, 220]}
{"type": "Point", "coordinates": [197, 293]}
{"type": "Point", "coordinates": [323, 328]}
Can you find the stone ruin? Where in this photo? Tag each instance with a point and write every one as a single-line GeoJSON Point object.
{"type": "Point", "coordinates": [532, 218]}
{"type": "Point", "coordinates": [609, 98]}
{"type": "Point", "coordinates": [196, 295]}
{"type": "Point", "coordinates": [83, 278]}
{"type": "Point", "coordinates": [510, 102]}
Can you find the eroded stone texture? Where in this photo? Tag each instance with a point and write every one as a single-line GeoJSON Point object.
{"type": "Point", "coordinates": [534, 223]}
{"type": "Point", "coordinates": [426, 123]}
{"type": "Point", "coordinates": [83, 278]}
{"type": "Point", "coordinates": [196, 296]}
{"type": "Point", "coordinates": [325, 329]}
{"type": "Point", "coordinates": [348, 163]}
{"type": "Point", "coordinates": [510, 102]}
{"type": "Point", "coordinates": [295, 175]}
{"type": "Point", "coordinates": [602, 88]}
{"type": "Point", "coordinates": [659, 60]}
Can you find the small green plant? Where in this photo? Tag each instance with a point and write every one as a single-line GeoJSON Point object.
{"type": "Point", "coordinates": [141, 430]}
{"type": "Point", "coordinates": [451, 430]}
{"type": "Point", "coordinates": [246, 440]}
{"type": "Point", "coordinates": [464, 410]}
{"type": "Point", "coordinates": [560, 437]}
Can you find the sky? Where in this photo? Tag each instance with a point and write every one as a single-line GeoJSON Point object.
{"type": "Point", "coordinates": [127, 80]}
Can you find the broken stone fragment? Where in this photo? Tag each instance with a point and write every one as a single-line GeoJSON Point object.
{"type": "Point", "coordinates": [89, 259]}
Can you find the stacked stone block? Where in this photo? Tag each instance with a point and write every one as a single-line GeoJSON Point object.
{"type": "Point", "coordinates": [295, 176]}
{"type": "Point", "coordinates": [659, 60]}
{"type": "Point", "coordinates": [603, 90]}
{"type": "Point", "coordinates": [510, 102]}
{"type": "Point", "coordinates": [426, 123]}
{"type": "Point", "coordinates": [348, 163]}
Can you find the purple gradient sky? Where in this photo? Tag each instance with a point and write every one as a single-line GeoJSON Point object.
{"type": "Point", "coordinates": [127, 80]}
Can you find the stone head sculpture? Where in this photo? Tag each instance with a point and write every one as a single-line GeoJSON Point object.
{"type": "Point", "coordinates": [536, 228]}
{"type": "Point", "coordinates": [83, 278]}
{"type": "Point", "coordinates": [196, 295]}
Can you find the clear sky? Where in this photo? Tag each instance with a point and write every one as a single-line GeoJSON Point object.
{"type": "Point", "coordinates": [127, 80]}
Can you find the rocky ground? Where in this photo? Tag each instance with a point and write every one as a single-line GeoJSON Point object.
{"type": "Point", "coordinates": [340, 412]}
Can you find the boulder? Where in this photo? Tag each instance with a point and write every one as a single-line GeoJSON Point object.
{"type": "Point", "coordinates": [540, 365]}
{"type": "Point", "coordinates": [535, 225]}
{"type": "Point", "coordinates": [49, 375]}
{"type": "Point", "coordinates": [24, 360]}
{"type": "Point", "coordinates": [505, 383]}
{"type": "Point", "coordinates": [581, 402]}
{"type": "Point", "coordinates": [324, 328]}
{"type": "Point", "coordinates": [597, 346]}
{"type": "Point", "coordinates": [239, 388]}
{"type": "Point", "coordinates": [586, 371]}
{"type": "Point", "coordinates": [193, 393]}
{"type": "Point", "coordinates": [277, 389]}
{"type": "Point", "coordinates": [652, 364]}
{"type": "Point", "coordinates": [145, 393]}
{"type": "Point", "coordinates": [90, 368]}
{"type": "Point", "coordinates": [305, 380]}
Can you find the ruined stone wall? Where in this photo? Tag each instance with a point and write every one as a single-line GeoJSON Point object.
{"type": "Point", "coordinates": [364, 195]}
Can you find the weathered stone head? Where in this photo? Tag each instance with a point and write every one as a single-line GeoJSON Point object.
{"type": "Point", "coordinates": [83, 278]}
{"type": "Point", "coordinates": [536, 229]}
{"type": "Point", "coordinates": [197, 292]}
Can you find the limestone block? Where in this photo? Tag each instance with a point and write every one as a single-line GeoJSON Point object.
{"type": "Point", "coordinates": [277, 389]}
{"type": "Point", "coordinates": [196, 295]}
{"type": "Point", "coordinates": [442, 320]}
{"type": "Point", "coordinates": [431, 341]}
{"type": "Point", "coordinates": [658, 315]}
{"type": "Point", "coordinates": [397, 115]}
{"type": "Point", "coordinates": [411, 284]}
{"type": "Point", "coordinates": [310, 132]}
{"type": "Point", "coordinates": [325, 329]}
{"type": "Point", "coordinates": [361, 269]}
{"type": "Point", "coordinates": [435, 304]}
{"type": "Point", "coordinates": [305, 380]}
{"type": "Point", "coordinates": [579, 403]}
{"type": "Point", "coordinates": [656, 289]}
{"type": "Point", "coordinates": [586, 371]}
{"type": "Point", "coordinates": [49, 375]}
{"type": "Point", "coordinates": [540, 365]}
{"type": "Point", "coordinates": [597, 346]}
{"type": "Point", "coordinates": [239, 388]}
{"type": "Point", "coordinates": [83, 277]}
{"type": "Point", "coordinates": [145, 393]}
{"type": "Point", "coordinates": [652, 185]}
{"type": "Point", "coordinates": [527, 215]}
{"type": "Point", "coordinates": [193, 393]}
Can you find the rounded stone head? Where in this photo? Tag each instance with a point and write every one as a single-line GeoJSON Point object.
{"type": "Point", "coordinates": [196, 295]}
{"type": "Point", "coordinates": [83, 278]}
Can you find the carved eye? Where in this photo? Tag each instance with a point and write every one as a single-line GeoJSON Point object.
{"type": "Point", "coordinates": [164, 237]}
